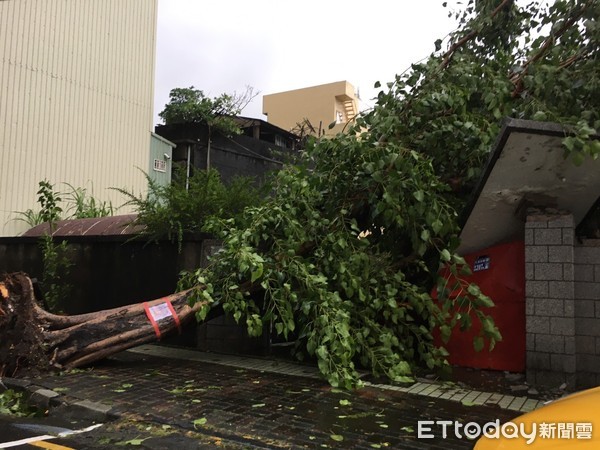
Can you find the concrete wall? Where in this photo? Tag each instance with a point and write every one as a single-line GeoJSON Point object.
{"type": "Point", "coordinates": [76, 89]}
{"type": "Point", "coordinates": [109, 271]}
{"type": "Point", "coordinates": [223, 335]}
{"type": "Point", "coordinates": [587, 311]}
{"type": "Point", "coordinates": [236, 156]}
{"type": "Point", "coordinates": [161, 159]}
{"type": "Point", "coordinates": [562, 304]}
{"type": "Point", "coordinates": [318, 104]}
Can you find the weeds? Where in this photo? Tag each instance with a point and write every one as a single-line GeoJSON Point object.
{"type": "Point", "coordinates": [78, 204]}
{"type": "Point", "coordinates": [186, 204]}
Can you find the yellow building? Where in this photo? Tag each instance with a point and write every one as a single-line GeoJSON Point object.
{"type": "Point", "coordinates": [76, 98]}
{"type": "Point", "coordinates": [316, 106]}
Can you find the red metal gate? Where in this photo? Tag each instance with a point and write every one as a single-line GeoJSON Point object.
{"type": "Point", "coordinates": [500, 273]}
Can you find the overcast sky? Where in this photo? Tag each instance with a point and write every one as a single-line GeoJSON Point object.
{"type": "Point", "coordinates": [278, 45]}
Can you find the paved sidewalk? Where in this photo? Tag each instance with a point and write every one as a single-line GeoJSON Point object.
{"type": "Point", "coordinates": [425, 388]}
{"type": "Point", "coordinates": [261, 403]}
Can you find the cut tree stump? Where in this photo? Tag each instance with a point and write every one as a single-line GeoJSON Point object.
{"type": "Point", "coordinates": [33, 340]}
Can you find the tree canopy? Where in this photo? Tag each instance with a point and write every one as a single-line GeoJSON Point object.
{"type": "Point", "coordinates": [532, 62]}
{"type": "Point", "coordinates": [190, 105]}
{"type": "Point", "coordinates": [343, 257]}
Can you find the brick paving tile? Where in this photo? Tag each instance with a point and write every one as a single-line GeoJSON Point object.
{"type": "Point", "coordinates": [482, 398]}
{"type": "Point", "coordinates": [517, 403]}
{"type": "Point", "coordinates": [506, 401]}
{"type": "Point", "coordinates": [264, 409]}
{"type": "Point", "coordinates": [494, 399]}
{"type": "Point", "coordinates": [530, 405]}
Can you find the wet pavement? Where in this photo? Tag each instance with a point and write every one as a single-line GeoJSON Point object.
{"type": "Point", "coordinates": [213, 404]}
{"type": "Point", "coordinates": [46, 433]}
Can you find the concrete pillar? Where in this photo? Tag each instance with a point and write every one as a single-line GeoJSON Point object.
{"type": "Point", "coordinates": [550, 298]}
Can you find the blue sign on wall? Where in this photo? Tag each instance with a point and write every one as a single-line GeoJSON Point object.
{"type": "Point", "coordinates": [481, 263]}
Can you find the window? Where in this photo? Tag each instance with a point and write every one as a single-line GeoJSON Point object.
{"type": "Point", "coordinates": [160, 165]}
{"type": "Point", "coordinates": [279, 141]}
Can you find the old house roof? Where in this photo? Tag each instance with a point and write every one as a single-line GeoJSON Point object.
{"type": "Point", "coordinates": [100, 226]}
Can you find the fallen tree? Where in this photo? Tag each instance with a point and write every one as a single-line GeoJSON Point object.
{"type": "Point", "coordinates": [342, 258]}
{"type": "Point", "coordinates": [34, 340]}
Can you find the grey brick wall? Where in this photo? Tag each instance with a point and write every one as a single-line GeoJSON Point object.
{"type": "Point", "coordinates": [587, 312]}
{"type": "Point", "coordinates": [550, 298]}
{"type": "Point", "coordinates": [562, 302]}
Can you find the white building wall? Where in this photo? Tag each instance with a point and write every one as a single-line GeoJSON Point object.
{"type": "Point", "coordinates": [76, 95]}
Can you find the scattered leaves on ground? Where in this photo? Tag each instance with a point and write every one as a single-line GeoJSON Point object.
{"type": "Point", "coordinates": [136, 442]}
{"type": "Point", "coordinates": [199, 422]}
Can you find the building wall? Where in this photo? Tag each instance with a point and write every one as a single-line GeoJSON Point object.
{"type": "Point", "coordinates": [550, 302]}
{"type": "Point", "coordinates": [319, 104]}
{"type": "Point", "coordinates": [161, 160]}
{"type": "Point", "coordinates": [587, 311]}
{"type": "Point", "coordinates": [238, 155]}
{"type": "Point", "coordinates": [76, 89]}
{"type": "Point", "coordinates": [563, 303]}
{"type": "Point", "coordinates": [138, 270]}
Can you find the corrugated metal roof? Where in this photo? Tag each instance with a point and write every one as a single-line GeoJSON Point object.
{"type": "Point", "coordinates": [99, 226]}
{"type": "Point", "coordinates": [74, 75]}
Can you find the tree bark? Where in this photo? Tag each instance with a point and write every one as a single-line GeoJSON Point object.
{"type": "Point", "coordinates": [34, 340]}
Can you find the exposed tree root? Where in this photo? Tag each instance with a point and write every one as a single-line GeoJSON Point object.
{"type": "Point", "coordinates": [34, 340]}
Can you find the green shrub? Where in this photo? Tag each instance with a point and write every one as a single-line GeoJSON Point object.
{"type": "Point", "coordinates": [173, 210]}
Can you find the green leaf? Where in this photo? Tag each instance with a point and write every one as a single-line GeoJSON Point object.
{"type": "Point", "coordinates": [337, 437]}
{"type": "Point", "coordinates": [445, 332]}
{"type": "Point", "coordinates": [199, 422]}
{"type": "Point", "coordinates": [134, 442]}
{"type": "Point", "coordinates": [445, 255]}
{"type": "Point", "coordinates": [344, 402]}
{"type": "Point", "coordinates": [473, 289]}
{"type": "Point", "coordinates": [419, 195]}
{"type": "Point", "coordinates": [478, 343]}
{"type": "Point", "coordinates": [485, 301]}
{"type": "Point", "coordinates": [578, 158]}
{"type": "Point", "coordinates": [258, 405]}
{"type": "Point", "coordinates": [257, 273]}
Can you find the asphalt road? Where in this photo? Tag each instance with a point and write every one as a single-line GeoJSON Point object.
{"type": "Point", "coordinates": [32, 433]}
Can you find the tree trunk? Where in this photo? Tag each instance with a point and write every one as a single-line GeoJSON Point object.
{"type": "Point", "coordinates": [34, 340]}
